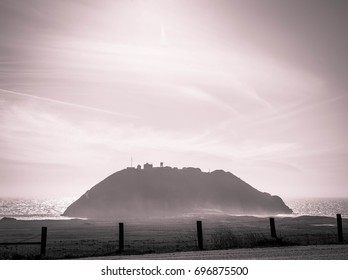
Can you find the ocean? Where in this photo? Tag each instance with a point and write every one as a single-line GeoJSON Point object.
{"type": "Point", "coordinates": [34, 209]}
{"type": "Point", "coordinates": [42, 209]}
{"type": "Point", "coordinates": [318, 206]}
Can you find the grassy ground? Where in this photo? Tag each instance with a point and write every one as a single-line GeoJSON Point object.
{"type": "Point", "coordinates": [82, 238]}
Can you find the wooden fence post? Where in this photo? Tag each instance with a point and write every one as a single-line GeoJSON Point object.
{"type": "Point", "coordinates": [120, 237]}
{"type": "Point", "coordinates": [273, 229]}
{"type": "Point", "coordinates": [339, 228]}
{"type": "Point", "coordinates": [43, 240]}
{"type": "Point", "coordinates": [200, 235]}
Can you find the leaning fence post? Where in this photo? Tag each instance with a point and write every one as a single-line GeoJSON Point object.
{"type": "Point", "coordinates": [339, 228]}
{"type": "Point", "coordinates": [273, 229]}
{"type": "Point", "coordinates": [200, 235]}
{"type": "Point", "coordinates": [120, 237]}
{"type": "Point", "coordinates": [43, 240]}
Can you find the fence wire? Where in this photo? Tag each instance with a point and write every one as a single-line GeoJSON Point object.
{"type": "Point", "coordinates": [81, 238]}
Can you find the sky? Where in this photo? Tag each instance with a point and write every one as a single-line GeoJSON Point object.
{"type": "Point", "coordinates": [257, 88]}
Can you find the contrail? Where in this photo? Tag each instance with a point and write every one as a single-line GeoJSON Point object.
{"type": "Point", "coordinates": [64, 103]}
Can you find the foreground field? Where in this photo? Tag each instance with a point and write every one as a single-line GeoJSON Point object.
{"type": "Point", "coordinates": [87, 238]}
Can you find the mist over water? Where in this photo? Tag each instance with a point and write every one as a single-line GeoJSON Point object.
{"type": "Point", "coordinates": [41, 209]}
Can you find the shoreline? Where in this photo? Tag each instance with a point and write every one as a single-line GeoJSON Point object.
{"type": "Point", "coordinates": [67, 218]}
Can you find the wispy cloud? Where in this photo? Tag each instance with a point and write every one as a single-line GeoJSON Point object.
{"type": "Point", "coordinates": [209, 86]}
{"type": "Point", "coordinates": [77, 106]}
{"type": "Point", "coordinates": [36, 135]}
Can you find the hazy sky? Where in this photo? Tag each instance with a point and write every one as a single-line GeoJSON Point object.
{"type": "Point", "coordinates": [258, 88]}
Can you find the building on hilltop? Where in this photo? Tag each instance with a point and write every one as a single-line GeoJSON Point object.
{"type": "Point", "coordinates": [148, 166]}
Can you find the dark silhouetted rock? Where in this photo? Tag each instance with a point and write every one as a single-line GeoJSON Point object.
{"type": "Point", "coordinates": [8, 219]}
{"type": "Point", "coordinates": [165, 191]}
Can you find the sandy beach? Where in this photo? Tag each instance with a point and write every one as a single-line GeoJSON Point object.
{"type": "Point", "coordinates": [91, 238]}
